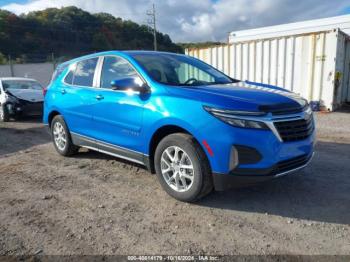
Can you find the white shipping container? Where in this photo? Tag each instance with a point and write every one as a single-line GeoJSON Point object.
{"type": "Point", "coordinates": [310, 26]}
{"type": "Point", "coordinates": [315, 65]}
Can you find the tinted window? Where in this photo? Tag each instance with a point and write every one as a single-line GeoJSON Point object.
{"type": "Point", "coordinates": [84, 72]}
{"type": "Point", "coordinates": [69, 77]}
{"type": "Point", "coordinates": [115, 68]}
{"type": "Point", "coordinates": [58, 72]}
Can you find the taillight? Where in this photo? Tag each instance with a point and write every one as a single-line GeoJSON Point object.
{"type": "Point", "coordinates": [44, 91]}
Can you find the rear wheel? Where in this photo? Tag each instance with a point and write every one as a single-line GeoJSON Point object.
{"type": "Point", "coordinates": [61, 137]}
{"type": "Point", "coordinates": [182, 168]}
{"type": "Point", "coordinates": [4, 114]}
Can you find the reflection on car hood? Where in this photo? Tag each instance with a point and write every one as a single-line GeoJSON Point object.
{"type": "Point", "coordinates": [30, 95]}
{"type": "Point", "coordinates": [244, 96]}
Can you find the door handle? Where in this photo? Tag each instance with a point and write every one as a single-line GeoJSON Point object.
{"type": "Point", "coordinates": [99, 97]}
{"type": "Point", "coordinates": [63, 91]}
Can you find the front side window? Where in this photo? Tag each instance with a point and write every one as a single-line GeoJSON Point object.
{"type": "Point", "coordinates": [179, 70]}
{"type": "Point", "coordinates": [20, 84]}
{"type": "Point", "coordinates": [82, 73]}
{"type": "Point", "coordinates": [115, 68]}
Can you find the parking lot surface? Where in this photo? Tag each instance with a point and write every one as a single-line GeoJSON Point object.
{"type": "Point", "coordinates": [96, 204]}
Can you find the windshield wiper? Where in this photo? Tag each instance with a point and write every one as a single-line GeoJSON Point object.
{"type": "Point", "coordinates": [235, 80]}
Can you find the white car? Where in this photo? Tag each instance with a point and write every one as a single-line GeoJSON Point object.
{"type": "Point", "coordinates": [20, 96]}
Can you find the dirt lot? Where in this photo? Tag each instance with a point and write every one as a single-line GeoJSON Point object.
{"type": "Point", "coordinates": [95, 204]}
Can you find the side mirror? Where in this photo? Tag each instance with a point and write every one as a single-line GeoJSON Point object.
{"type": "Point", "coordinates": [133, 83]}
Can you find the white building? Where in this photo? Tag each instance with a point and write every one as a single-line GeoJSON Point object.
{"type": "Point", "coordinates": [311, 58]}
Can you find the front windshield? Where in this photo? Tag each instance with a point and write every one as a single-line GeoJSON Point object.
{"type": "Point", "coordinates": [179, 70]}
{"type": "Point", "coordinates": [20, 84]}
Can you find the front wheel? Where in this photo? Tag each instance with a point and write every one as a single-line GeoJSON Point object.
{"type": "Point", "coordinates": [182, 168]}
{"type": "Point", "coordinates": [4, 114]}
{"type": "Point", "coordinates": [61, 137]}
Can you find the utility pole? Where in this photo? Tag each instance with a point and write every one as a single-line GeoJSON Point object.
{"type": "Point", "coordinates": [152, 23]}
{"type": "Point", "coordinates": [11, 65]}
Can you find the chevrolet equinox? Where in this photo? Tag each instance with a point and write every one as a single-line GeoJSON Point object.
{"type": "Point", "coordinates": [189, 123]}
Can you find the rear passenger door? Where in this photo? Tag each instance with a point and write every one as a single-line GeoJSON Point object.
{"type": "Point", "coordinates": [78, 95]}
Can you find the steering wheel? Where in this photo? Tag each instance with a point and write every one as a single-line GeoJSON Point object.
{"type": "Point", "coordinates": [188, 81]}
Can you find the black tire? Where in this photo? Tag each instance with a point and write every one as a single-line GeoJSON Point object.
{"type": "Point", "coordinates": [69, 148]}
{"type": "Point", "coordinates": [202, 178]}
{"type": "Point", "coordinates": [4, 114]}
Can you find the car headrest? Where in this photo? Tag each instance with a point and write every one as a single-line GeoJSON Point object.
{"type": "Point", "coordinates": [156, 74]}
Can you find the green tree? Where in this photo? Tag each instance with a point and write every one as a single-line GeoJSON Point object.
{"type": "Point", "coordinates": [3, 59]}
{"type": "Point", "coordinates": [69, 32]}
{"type": "Point", "coordinates": [199, 45]}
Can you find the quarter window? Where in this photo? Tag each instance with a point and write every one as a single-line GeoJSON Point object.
{"type": "Point", "coordinates": [69, 76]}
{"type": "Point", "coordinates": [58, 72]}
{"type": "Point", "coordinates": [115, 68]}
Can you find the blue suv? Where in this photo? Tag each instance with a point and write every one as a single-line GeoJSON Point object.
{"type": "Point", "coordinates": [192, 125]}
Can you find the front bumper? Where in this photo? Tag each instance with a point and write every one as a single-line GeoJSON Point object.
{"type": "Point", "coordinates": [241, 177]}
{"type": "Point", "coordinates": [25, 108]}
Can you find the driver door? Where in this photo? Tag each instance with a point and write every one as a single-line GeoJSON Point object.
{"type": "Point", "coordinates": [117, 114]}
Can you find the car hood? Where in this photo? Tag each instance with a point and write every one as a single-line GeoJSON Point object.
{"type": "Point", "coordinates": [30, 95]}
{"type": "Point", "coordinates": [244, 96]}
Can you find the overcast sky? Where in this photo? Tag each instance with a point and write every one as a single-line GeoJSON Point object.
{"type": "Point", "coordinates": [199, 20]}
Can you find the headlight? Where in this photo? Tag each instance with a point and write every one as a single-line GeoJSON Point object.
{"type": "Point", "coordinates": [308, 109]}
{"type": "Point", "coordinates": [236, 118]}
{"type": "Point", "coordinates": [11, 98]}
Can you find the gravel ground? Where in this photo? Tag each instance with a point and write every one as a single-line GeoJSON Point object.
{"type": "Point", "coordinates": [96, 204]}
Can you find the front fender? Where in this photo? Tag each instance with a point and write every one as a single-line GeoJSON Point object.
{"type": "Point", "coordinates": [184, 113]}
{"type": "Point", "coordinates": [171, 122]}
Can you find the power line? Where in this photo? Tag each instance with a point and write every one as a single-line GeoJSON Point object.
{"type": "Point", "coordinates": [152, 23]}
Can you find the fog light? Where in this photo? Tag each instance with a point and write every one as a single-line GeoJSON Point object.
{"type": "Point", "coordinates": [248, 155]}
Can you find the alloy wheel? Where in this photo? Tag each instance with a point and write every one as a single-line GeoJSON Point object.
{"type": "Point", "coordinates": [177, 169]}
{"type": "Point", "coordinates": [60, 136]}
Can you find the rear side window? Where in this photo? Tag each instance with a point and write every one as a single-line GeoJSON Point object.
{"type": "Point", "coordinates": [82, 73]}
